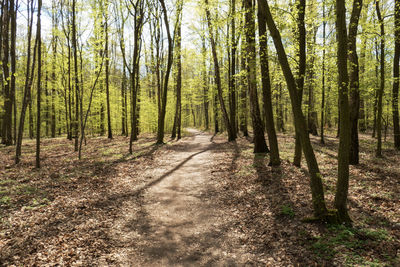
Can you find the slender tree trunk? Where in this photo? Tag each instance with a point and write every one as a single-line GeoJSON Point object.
{"type": "Point", "coordinates": [323, 74]}
{"type": "Point", "coordinates": [376, 93]}
{"type": "Point", "coordinates": [161, 119]}
{"type": "Point", "coordinates": [107, 67]}
{"type": "Point", "coordinates": [382, 80]}
{"type": "Point", "coordinates": [13, 17]}
{"type": "Point", "coordinates": [47, 112]}
{"type": "Point", "coordinates": [232, 86]}
{"type": "Point", "coordinates": [215, 111]}
{"type": "Point", "coordinates": [178, 107]}
{"type": "Point", "coordinates": [396, 62]}
{"type": "Point", "coordinates": [205, 81]}
{"type": "Point", "coordinates": [54, 75]}
{"type": "Point", "coordinates": [344, 135]}
{"type": "Point", "coordinates": [354, 81]}
{"type": "Point", "coordinates": [39, 89]}
{"type": "Point", "coordinates": [7, 119]}
{"type": "Point", "coordinates": [312, 114]}
{"type": "Point", "coordinates": [266, 88]}
{"type": "Point", "coordinates": [243, 94]}
{"type": "Point", "coordinates": [301, 39]}
{"type": "Point", "coordinates": [123, 93]}
{"type": "Point", "coordinates": [28, 81]}
{"type": "Point", "coordinates": [260, 146]}
{"type": "Point", "coordinates": [231, 136]}
{"type": "Point", "coordinates": [75, 51]}
{"type": "Point", "coordinates": [362, 117]}
{"type": "Point", "coordinates": [318, 199]}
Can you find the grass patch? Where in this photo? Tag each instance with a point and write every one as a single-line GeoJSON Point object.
{"type": "Point", "coordinates": [5, 200]}
{"type": "Point", "coordinates": [350, 243]}
{"type": "Point", "coordinates": [286, 210]}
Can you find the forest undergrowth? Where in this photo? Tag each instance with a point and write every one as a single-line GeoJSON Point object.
{"type": "Point", "coordinates": [62, 213]}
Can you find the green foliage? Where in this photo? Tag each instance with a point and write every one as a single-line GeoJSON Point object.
{"type": "Point", "coordinates": [5, 200]}
{"type": "Point", "coordinates": [350, 242]}
{"type": "Point", "coordinates": [287, 210]}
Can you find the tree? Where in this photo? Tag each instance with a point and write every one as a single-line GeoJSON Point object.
{"type": "Point", "coordinates": [301, 71]}
{"type": "Point", "coordinates": [266, 88]}
{"type": "Point", "coordinates": [232, 68]}
{"type": "Point", "coordinates": [162, 111]}
{"type": "Point", "coordinates": [344, 135]}
{"type": "Point", "coordinates": [54, 74]}
{"type": "Point", "coordinates": [323, 73]}
{"type": "Point", "coordinates": [13, 33]}
{"type": "Point", "coordinates": [29, 73]}
{"type": "Point", "coordinates": [382, 80]}
{"type": "Point", "coordinates": [178, 109]}
{"type": "Point", "coordinates": [76, 74]}
{"type": "Point", "coordinates": [260, 146]}
{"type": "Point", "coordinates": [318, 198]}
{"type": "Point", "coordinates": [243, 93]}
{"type": "Point", "coordinates": [105, 15]}
{"type": "Point", "coordinates": [354, 81]}
{"type": "Point", "coordinates": [39, 89]}
{"type": "Point", "coordinates": [217, 76]}
{"type": "Point", "coordinates": [6, 134]}
{"type": "Point", "coordinates": [396, 62]}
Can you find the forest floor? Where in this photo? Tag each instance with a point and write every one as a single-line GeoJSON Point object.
{"type": "Point", "coordinates": [197, 201]}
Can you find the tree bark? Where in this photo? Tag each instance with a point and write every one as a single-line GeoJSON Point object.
{"type": "Point", "coordinates": [243, 94]}
{"type": "Point", "coordinates": [382, 80]}
{"type": "Point", "coordinates": [217, 76]}
{"type": "Point", "coordinates": [178, 107]}
{"type": "Point", "coordinates": [354, 81]}
{"type": "Point", "coordinates": [232, 86]}
{"type": "Point", "coordinates": [107, 69]}
{"type": "Point", "coordinates": [39, 89]}
{"type": "Point", "coordinates": [312, 114]}
{"type": "Point", "coordinates": [318, 199]}
{"type": "Point", "coordinates": [301, 8]}
{"type": "Point", "coordinates": [396, 62]}
{"type": "Point", "coordinates": [266, 88]}
{"type": "Point", "coordinates": [344, 135]}
{"type": "Point", "coordinates": [260, 146]}
{"type": "Point", "coordinates": [28, 81]}
{"type": "Point", "coordinates": [323, 74]}
{"type": "Point", "coordinates": [161, 118]}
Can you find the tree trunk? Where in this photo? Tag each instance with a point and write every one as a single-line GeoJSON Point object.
{"type": "Point", "coordinates": [232, 86]}
{"type": "Point", "coordinates": [312, 114]}
{"type": "Point", "coordinates": [260, 146]}
{"type": "Point", "coordinates": [396, 62]}
{"type": "Point", "coordinates": [243, 94]}
{"type": "Point", "coordinates": [301, 7]}
{"type": "Point", "coordinates": [354, 81]}
{"type": "Point", "coordinates": [266, 88]}
{"type": "Point", "coordinates": [205, 81]}
{"type": "Point", "coordinates": [28, 81]}
{"type": "Point", "coordinates": [161, 118]}
{"type": "Point", "coordinates": [323, 74]}
{"type": "Point", "coordinates": [7, 119]}
{"type": "Point", "coordinates": [123, 97]}
{"type": "Point", "coordinates": [39, 89]}
{"type": "Point", "coordinates": [178, 107]}
{"type": "Point", "coordinates": [318, 199]}
{"type": "Point", "coordinates": [107, 68]}
{"type": "Point", "coordinates": [344, 135]}
{"type": "Point", "coordinates": [231, 136]}
{"type": "Point", "coordinates": [382, 81]}
{"type": "Point", "coordinates": [76, 75]}
{"type": "Point", "coordinates": [54, 75]}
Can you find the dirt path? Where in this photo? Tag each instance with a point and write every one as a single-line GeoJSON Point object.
{"type": "Point", "coordinates": [175, 220]}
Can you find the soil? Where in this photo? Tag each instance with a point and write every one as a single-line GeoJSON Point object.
{"type": "Point", "coordinates": [199, 201]}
